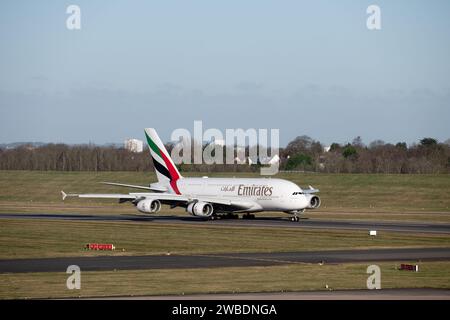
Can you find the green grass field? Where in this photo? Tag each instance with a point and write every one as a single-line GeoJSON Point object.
{"type": "Point", "coordinates": [347, 196]}
{"type": "Point", "coordinates": [55, 238]}
{"type": "Point", "coordinates": [46, 238]}
{"type": "Point", "coordinates": [344, 196]}
{"type": "Point", "coordinates": [297, 277]}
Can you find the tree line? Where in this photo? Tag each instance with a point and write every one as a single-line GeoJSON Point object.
{"type": "Point", "coordinates": [301, 154]}
{"type": "Point", "coordinates": [427, 156]}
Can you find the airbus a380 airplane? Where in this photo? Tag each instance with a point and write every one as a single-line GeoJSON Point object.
{"type": "Point", "coordinates": [210, 197]}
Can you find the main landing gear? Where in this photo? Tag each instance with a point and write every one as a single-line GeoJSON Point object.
{"type": "Point", "coordinates": [231, 216]}
{"type": "Point", "coordinates": [224, 216]}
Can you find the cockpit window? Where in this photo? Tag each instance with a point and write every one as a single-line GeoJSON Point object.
{"type": "Point", "coordinates": [296, 193]}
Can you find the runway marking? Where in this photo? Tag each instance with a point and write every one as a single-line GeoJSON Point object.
{"type": "Point", "coordinates": [436, 228]}
{"type": "Point", "coordinates": [275, 261]}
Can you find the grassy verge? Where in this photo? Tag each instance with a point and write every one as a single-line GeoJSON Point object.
{"type": "Point", "coordinates": [220, 280]}
{"type": "Point", "coordinates": [344, 196]}
{"type": "Point", "coordinates": [55, 238]}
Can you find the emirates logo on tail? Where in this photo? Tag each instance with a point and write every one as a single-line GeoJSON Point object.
{"type": "Point", "coordinates": [164, 166]}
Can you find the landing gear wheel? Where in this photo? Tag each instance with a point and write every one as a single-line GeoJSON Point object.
{"type": "Point", "coordinates": [248, 216]}
{"type": "Point", "coordinates": [295, 219]}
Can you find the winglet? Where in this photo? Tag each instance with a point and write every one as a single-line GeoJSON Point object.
{"type": "Point", "coordinates": [64, 195]}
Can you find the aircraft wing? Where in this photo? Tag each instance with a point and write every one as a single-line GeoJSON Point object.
{"type": "Point", "coordinates": [167, 198]}
{"type": "Point", "coordinates": [131, 196]}
{"type": "Point", "coordinates": [152, 187]}
{"type": "Point", "coordinates": [98, 195]}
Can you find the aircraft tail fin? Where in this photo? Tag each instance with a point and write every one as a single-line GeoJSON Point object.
{"type": "Point", "coordinates": [165, 169]}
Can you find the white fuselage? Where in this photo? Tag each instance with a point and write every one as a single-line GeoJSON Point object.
{"type": "Point", "coordinates": [266, 193]}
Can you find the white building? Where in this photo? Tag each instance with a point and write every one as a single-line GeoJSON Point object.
{"type": "Point", "coordinates": [239, 161]}
{"type": "Point", "coordinates": [134, 145]}
{"type": "Point", "coordinates": [274, 161]}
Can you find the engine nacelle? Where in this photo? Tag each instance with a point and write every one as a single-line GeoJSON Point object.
{"type": "Point", "coordinates": [313, 200]}
{"type": "Point", "coordinates": [200, 209]}
{"type": "Point", "coordinates": [149, 206]}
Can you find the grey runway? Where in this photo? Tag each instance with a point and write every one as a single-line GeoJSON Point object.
{"type": "Point", "coordinates": [106, 263]}
{"type": "Point", "coordinates": [275, 222]}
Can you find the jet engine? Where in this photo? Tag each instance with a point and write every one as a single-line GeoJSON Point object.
{"type": "Point", "coordinates": [200, 209]}
{"type": "Point", "coordinates": [149, 206]}
{"type": "Point", "coordinates": [314, 201]}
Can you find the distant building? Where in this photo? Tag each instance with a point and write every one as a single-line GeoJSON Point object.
{"type": "Point", "coordinates": [134, 145]}
{"type": "Point", "coordinates": [275, 160]}
{"type": "Point", "coordinates": [239, 161]}
{"type": "Point", "coordinates": [256, 160]}
{"type": "Point", "coordinates": [326, 149]}
{"type": "Point", "coordinates": [219, 142]}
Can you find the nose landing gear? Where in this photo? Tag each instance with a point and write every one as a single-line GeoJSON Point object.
{"type": "Point", "coordinates": [296, 218]}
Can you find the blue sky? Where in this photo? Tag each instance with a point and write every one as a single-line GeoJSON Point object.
{"type": "Point", "coordinates": [305, 67]}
